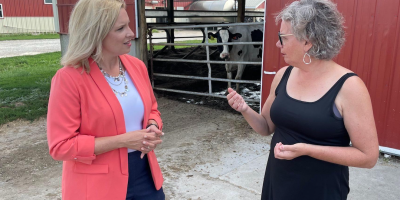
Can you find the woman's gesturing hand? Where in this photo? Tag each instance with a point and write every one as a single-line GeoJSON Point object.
{"type": "Point", "coordinates": [236, 101]}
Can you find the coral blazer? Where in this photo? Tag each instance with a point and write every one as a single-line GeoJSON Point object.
{"type": "Point", "coordinates": [82, 107]}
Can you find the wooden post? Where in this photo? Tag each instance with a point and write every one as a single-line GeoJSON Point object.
{"type": "Point", "coordinates": [241, 10]}
{"type": "Point", "coordinates": [143, 33]}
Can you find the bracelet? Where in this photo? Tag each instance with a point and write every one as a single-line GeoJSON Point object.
{"type": "Point", "coordinates": [152, 124]}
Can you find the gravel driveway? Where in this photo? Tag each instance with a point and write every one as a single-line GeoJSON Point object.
{"type": "Point", "coordinates": [11, 48]}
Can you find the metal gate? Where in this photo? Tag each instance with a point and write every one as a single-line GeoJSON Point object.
{"type": "Point", "coordinates": [207, 61]}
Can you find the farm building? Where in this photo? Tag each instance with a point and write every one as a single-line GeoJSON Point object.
{"type": "Point", "coordinates": [26, 16]}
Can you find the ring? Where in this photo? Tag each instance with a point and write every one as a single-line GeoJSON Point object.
{"type": "Point", "coordinates": [148, 147]}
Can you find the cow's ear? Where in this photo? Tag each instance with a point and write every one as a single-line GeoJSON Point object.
{"type": "Point", "coordinates": [212, 36]}
{"type": "Point", "coordinates": [236, 36]}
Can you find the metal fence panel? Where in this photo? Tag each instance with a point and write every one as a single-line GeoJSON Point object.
{"type": "Point", "coordinates": [207, 61]}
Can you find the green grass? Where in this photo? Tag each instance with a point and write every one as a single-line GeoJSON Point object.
{"type": "Point", "coordinates": [28, 36]}
{"type": "Point", "coordinates": [25, 85]}
{"type": "Point", "coordinates": [158, 47]}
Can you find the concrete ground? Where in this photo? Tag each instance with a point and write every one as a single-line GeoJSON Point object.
{"type": "Point", "coordinates": [207, 154]}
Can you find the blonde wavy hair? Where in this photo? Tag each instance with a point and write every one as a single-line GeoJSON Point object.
{"type": "Point", "coordinates": [89, 24]}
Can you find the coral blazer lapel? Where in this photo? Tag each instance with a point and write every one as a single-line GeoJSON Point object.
{"type": "Point", "coordinates": [109, 95]}
{"type": "Point", "coordinates": [113, 102]}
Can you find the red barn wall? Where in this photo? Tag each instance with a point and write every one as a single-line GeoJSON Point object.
{"type": "Point", "coordinates": [26, 8]}
{"type": "Point", "coordinates": [372, 50]}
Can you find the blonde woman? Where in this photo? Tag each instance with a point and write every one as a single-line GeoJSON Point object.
{"type": "Point", "coordinates": [103, 121]}
{"type": "Point", "coordinates": [315, 108]}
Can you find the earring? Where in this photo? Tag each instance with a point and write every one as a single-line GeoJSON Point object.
{"type": "Point", "coordinates": [309, 57]}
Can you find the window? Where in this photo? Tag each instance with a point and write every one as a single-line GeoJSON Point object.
{"type": "Point", "coordinates": [48, 1]}
{"type": "Point", "coordinates": [1, 11]}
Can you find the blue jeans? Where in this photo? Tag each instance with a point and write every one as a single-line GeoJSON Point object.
{"type": "Point", "coordinates": [140, 184]}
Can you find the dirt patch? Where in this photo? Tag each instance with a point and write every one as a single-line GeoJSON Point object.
{"type": "Point", "coordinates": [195, 135]}
{"type": "Point", "coordinates": [25, 162]}
{"type": "Point", "coordinates": [19, 104]}
{"type": "Point", "coordinates": [202, 146]}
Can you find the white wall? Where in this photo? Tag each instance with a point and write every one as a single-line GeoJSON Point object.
{"type": "Point", "coordinates": [27, 25]}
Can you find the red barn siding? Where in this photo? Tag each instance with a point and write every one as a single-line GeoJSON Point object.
{"type": "Point", "coordinates": [372, 50]}
{"type": "Point", "coordinates": [65, 8]}
{"type": "Point", "coordinates": [131, 10]}
{"type": "Point", "coordinates": [184, 4]}
{"type": "Point", "coordinates": [26, 8]}
{"type": "Point", "coordinates": [261, 6]}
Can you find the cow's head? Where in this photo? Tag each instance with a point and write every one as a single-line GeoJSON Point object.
{"type": "Point", "coordinates": [223, 35]}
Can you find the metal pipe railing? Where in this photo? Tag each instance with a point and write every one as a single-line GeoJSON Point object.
{"type": "Point", "coordinates": [178, 37]}
{"type": "Point", "coordinates": [208, 61]}
{"type": "Point", "coordinates": [201, 94]}
{"type": "Point", "coordinates": [205, 62]}
{"type": "Point", "coordinates": [208, 64]}
{"type": "Point", "coordinates": [208, 25]}
{"type": "Point", "coordinates": [208, 44]}
{"type": "Point", "coordinates": [205, 78]}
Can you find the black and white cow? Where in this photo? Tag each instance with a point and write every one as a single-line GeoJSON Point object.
{"type": "Point", "coordinates": [244, 53]}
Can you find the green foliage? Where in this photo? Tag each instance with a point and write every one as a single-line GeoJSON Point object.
{"type": "Point", "coordinates": [25, 85]}
{"type": "Point", "coordinates": [28, 36]}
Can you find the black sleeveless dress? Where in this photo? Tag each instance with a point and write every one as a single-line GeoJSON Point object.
{"type": "Point", "coordinates": [306, 122]}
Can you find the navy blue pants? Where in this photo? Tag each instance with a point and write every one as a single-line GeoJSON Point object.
{"type": "Point", "coordinates": [140, 184]}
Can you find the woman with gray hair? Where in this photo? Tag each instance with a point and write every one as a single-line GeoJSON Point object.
{"type": "Point", "coordinates": [315, 108]}
{"type": "Point", "coordinates": [103, 121]}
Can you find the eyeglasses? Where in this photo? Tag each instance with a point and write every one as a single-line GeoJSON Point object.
{"type": "Point", "coordinates": [282, 35]}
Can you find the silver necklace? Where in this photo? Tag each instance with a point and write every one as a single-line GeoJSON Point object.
{"type": "Point", "coordinates": [121, 76]}
{"type": "Point", "coordinates": [116, 78]}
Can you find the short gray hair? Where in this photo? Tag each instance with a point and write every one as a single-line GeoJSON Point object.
{"type": "Point", "coordinates": [319, 22]}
